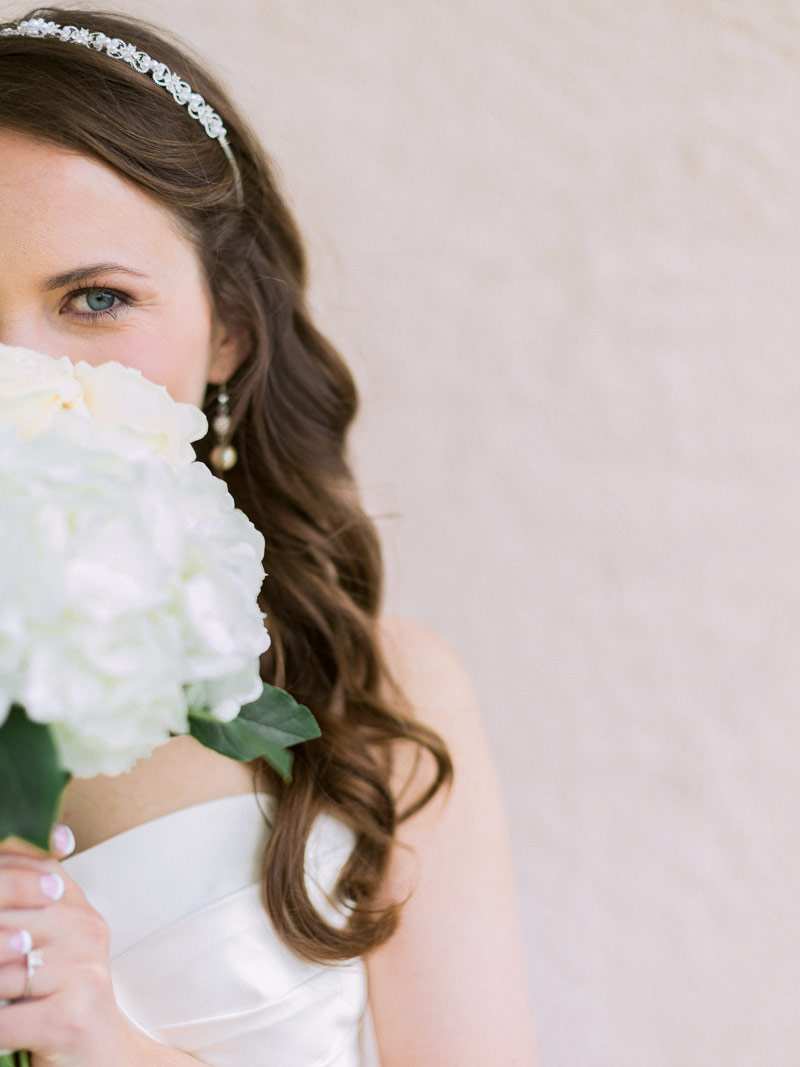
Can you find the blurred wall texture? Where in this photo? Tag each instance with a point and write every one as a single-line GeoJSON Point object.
{"type": "Point", "coordinates": [560, 242]}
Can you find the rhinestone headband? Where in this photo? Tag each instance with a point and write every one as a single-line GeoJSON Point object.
{"type": "Point", "coordinates": [141, 62]}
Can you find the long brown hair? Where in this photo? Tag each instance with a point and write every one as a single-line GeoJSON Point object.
{"type": "Point", "coordinates": [292, 402]}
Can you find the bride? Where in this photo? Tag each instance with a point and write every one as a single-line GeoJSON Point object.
{"type": "Point", "coordinates": [197, 909]}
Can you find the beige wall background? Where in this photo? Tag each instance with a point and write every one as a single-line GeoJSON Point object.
{"type": "Point", "coordinates": [560, 242]}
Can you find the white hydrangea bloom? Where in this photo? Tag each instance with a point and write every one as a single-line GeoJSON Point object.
{"type": "Point", "coordinates": [129, 580]}
{"type": "Point", "coordinates": [134, 412]}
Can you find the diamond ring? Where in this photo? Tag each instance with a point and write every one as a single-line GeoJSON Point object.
{"type": "Point", "coordinates": [33, 960]}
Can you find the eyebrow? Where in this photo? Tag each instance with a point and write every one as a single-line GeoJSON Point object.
{"type": "Point", "coordinates": [80, 274]}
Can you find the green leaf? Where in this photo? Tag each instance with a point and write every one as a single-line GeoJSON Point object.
{"type": "Point", "coordinates": [31, 780]}
{"type": "Point", "coordinates": [266, 728]}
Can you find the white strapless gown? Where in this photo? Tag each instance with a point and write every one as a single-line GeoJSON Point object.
{"type": "Point", "coordinates": [196, 963]}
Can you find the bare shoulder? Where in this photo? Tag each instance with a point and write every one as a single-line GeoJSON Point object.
{"type": "Point", "coordinates": [438, 688]}
{"type": "Point", "coordinates": [439, 691]}
{"type": "Point", "coordinates": [414, 645]}
{"type": "Point", "coordinates": [459, 940]}
{"type": "Point", "coordinates": [430, 674]}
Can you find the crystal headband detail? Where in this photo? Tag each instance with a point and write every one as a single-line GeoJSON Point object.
{"type": "Point", "coordinates": [141, 62]}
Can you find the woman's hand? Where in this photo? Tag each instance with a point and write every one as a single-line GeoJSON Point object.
{"type": "Point", "coordinates": [65, 1014]}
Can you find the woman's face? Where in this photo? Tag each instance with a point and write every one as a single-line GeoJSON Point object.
{"type": "Point", "coordinates": [93, 269]}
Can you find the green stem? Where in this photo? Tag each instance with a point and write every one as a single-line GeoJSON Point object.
{"type": "Point", "coordinates": [15, 1059]}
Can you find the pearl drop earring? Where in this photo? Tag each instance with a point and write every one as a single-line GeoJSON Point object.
{"type": "Point", "coordinates": [223, 454]}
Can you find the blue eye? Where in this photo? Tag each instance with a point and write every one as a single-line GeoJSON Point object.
{"type": "Point", "coordinates": [99, 301]}
{"type": "Point", "coordinates": [93, 303]}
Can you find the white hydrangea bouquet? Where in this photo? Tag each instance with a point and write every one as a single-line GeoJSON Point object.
{"type": "Point", "coordinates": [128, 588]}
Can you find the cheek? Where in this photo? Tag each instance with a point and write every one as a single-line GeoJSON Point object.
{"type": "Point", "coordinates": [176, 355]}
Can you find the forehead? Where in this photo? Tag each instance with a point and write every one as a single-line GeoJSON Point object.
{"type": "Point", "coordinates": [56, 201]}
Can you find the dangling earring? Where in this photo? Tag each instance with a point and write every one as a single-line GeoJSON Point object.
{"type": "Point", "coordinates": [223, 455]}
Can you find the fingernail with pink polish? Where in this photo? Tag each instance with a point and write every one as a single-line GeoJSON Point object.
{"type": "Point", "coordinates": [52, 886]}
{"type": "Point", "coordinates": [21, 942]}
{"type": "Point", "coordinates": [63, 840]}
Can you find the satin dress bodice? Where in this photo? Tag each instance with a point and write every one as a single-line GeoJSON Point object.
{"type": "Point", "coordinates": [196, 963]}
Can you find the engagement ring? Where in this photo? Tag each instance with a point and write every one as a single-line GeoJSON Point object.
{"type": "Point", "coordinates": [34, 959]}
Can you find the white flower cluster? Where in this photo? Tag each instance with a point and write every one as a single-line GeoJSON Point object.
{"type": "Point", "coordinates": [129, 580]}
{"type": "Point", "coordinates": [135, 415]}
